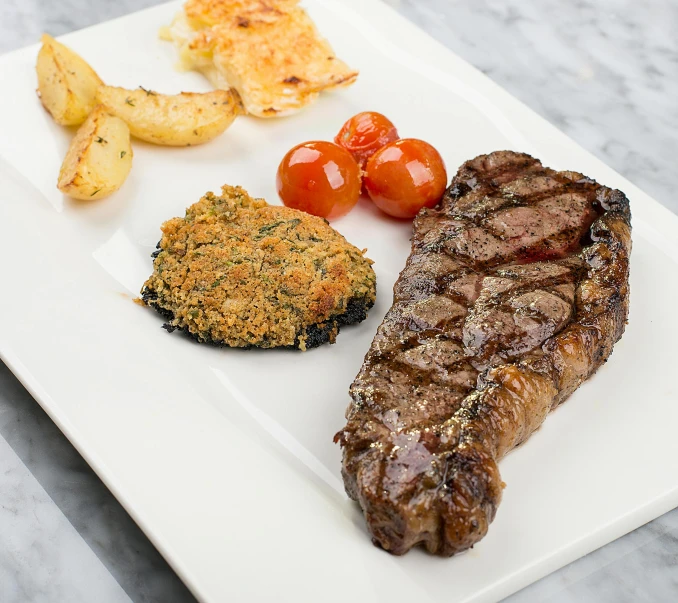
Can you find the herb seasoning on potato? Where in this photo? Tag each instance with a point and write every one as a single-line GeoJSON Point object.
{"type": "Point", "coordinates": [185, 119]}
{"type": "Point", "coordinates": [66, 83]}
{"type": "Point", "coordinates": [99, 158]}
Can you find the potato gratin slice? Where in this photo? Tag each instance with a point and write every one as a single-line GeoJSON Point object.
{"type": "Point", "coordinates": [270, 51]}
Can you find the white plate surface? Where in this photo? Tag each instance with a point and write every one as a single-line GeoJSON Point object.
{"type": "Point", "coordinates": [225, 457]}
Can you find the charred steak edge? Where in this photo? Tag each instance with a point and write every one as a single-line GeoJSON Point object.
{"type": "Point", "coordinates": [514, 293]}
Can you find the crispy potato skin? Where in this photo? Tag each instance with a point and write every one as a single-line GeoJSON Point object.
{"type": "Point", "coordinates": [99, 158]}
{"type": "Point", "coordinates": [185, 119]}
{"type": "Point", "coordinates": [66, 83]}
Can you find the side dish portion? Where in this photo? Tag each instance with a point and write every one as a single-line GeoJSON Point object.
{"type": "Point", "coordinates": [326, 178]}
{"type": "Point", "coordinates": [99, 158]}
{"type": "Point", "coordinates": [66, 83]}
{"type": "Point", "coordinates": [237, 272]}
{"type": "Point", "coordinates": [270, 51]}
{"type": "Point", "coordinates": [184, 119]}
{"type": "Point", "coordinates": [404, 176]}
{"type": "Point", "coordinates": [515, 292]}
{"type": "Point", "coordinates": [320, 178]}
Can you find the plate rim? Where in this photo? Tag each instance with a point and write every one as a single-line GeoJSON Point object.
{"type": "Point", "coordinates": [664, 228]}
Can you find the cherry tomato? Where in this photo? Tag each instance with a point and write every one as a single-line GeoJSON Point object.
{"type": "Point", "coordinates": [320, 178]}
{"type": "Point", "coordinates": [364, 134]}
{"type": "Point", "coordinates": [405, 176]}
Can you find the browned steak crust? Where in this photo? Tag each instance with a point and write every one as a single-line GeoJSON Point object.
{"type": "Point", "coordinates": [515, 291]}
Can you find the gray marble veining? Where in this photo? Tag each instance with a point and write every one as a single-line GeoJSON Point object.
{"type": "Point", "coordinates": [44, 558]}
{"type": "Point", "coordinates": [79, 498]}
{"type": "Point", "coordinates": [22, 22]}
{"type": "Point", "coordinates": [604, 71]}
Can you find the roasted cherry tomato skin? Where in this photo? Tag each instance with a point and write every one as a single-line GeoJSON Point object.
{"type": "Point", "coordinates": [405, 176]}
{"type": "Point", "coordinates": [364, 134]}
{"type": "Point", "coordinates": [320, 178]}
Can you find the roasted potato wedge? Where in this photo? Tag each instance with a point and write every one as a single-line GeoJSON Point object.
{"type": "Point", "coordinates": [184, 119]}
{"type": "Point", "coordinates": [99, 158]}
{"type": "Point", "coordinates": [66, 83]}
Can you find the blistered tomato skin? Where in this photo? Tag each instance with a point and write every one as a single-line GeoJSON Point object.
{"type": "Point", "coordinates": [320, 178]}
{"type": "Point", "coordinates": [405, 176]}
{"type": "Point", "coordinates": [364, 134]}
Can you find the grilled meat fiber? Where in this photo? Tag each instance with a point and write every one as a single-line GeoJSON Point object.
{"type": "Point", "coordinates": [515, 291]}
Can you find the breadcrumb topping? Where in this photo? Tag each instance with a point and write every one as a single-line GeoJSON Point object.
{"type": "Point", "coordinates": [238, 272]}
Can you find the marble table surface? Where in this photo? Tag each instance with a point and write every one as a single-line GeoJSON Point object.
{"type": "Point", "coordinates": [604, 71]}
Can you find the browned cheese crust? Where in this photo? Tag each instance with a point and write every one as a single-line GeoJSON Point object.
{"type": "Point", "coordinates": [515, 292]}
{"type": "Point", "coordinates": [235, 271]}
{"type": "Point", "coordinates": [270, 51]}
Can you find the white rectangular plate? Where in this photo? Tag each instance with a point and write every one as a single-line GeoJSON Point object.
{"type": "Point", "coordinates": [225, 457]}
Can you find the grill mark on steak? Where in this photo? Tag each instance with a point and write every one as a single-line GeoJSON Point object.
{"type": "Point", "coordinates": [518, 309]}
{"type": "Point", "coordinates": [514, 293]}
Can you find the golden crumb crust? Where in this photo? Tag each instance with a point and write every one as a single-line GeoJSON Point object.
{"type": "Point", "coordinates": [238, 272]}
{"type": "Point", "coordinates": [270, 51]}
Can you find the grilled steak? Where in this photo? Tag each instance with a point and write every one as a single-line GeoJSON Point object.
{"type": "Point", "coordinates": [515, 291]}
